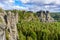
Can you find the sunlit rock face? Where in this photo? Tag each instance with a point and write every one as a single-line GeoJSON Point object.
{"type": "Point", "coordinates": [2, 26]}
{"type": "Point", "coordinates": [8, 22]}
{"type": "Point", "coordinates": [44, 16]}
{"type": "Point", "coordinates": [11, 23]}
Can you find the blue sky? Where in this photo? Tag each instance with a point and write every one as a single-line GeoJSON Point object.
{"type": "Point", "coordinates": [33, 5]}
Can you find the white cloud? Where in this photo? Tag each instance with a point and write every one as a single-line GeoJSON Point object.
{"type": "Point", "coordinates": [41, 1]}
{"type": "Point", "coordinates": [36, 5]}
{"type": "Point", "coordinates": [6, 4]}
{"type": "Point", "coordinates": [9, 4]}
{"type": "Point", "coordinates": [24, 1]}
{"type": "Point", "coordinates": [40, 4]}
{"type": "Point", "coordinates": [6, 0]}
{"type": "Point", "coordinates": [1, 6]}
{"type": "Point", "coordinates": [11, 0]}
{"type": "Point", "coordinates": [19, 8]}
{"type": "Point", "coordinates": [45, 7]}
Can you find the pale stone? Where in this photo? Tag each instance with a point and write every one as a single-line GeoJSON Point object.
{"type": "Point", "coordinates": [44, 16]}
{"type": "Point", "coordinates": [2, 32]}
{"type": "Point", "coordinates": [9, 21]}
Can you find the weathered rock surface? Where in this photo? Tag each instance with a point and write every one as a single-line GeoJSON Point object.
{"type": "Point", "coordinates": [44, 16]}
{"type": "Point", "coordinates": [2, 32]}
{"type": "Point", "coordinates": [9, 21]}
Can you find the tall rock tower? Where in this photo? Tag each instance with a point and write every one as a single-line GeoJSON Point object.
{"type": "Point", "coordinates": [2, 25]}
{"type": "Point", "coordinates": [12, 19]}
{"type": "Point", "coordinates": [8, 21]}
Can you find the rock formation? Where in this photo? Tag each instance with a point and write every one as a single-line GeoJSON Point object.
{"type": "Point", "coordinates": [44, 16]}
{"type": "Point", "coordinates": [9, 21]}
{"type": "Point", "coordinates": [2, 26]}
{"type": "Point", "coordinates": [12, 19]}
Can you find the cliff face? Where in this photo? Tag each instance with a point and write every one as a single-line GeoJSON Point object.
{"type": "Point", "coordinates": [8, 22]}
{"type": "Point", "coordinates": [44, 16]}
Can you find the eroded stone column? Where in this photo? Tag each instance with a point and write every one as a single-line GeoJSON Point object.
{"type": "Point", "coordinates": [12, 21]}
{"type": "Point", "coordinates": [2, 26]}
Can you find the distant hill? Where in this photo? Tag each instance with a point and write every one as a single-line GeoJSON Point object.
{"type": "Point", "coordinates": [56, 15]}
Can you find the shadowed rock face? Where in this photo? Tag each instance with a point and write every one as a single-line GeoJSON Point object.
{"type": "Point", "coordinates": [44, 16]}
{"type": "Point", "coordinates": [9, 21]}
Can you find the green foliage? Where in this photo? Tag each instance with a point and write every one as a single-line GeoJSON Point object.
{"type": "Point", "coordinates": [1, 10]}
{"type": "Point", "coordinates": [7, 35]}
{"type": "Point", "coordinates": [30, 28]}
{"type": "Point", "coordinates": [1, 20]}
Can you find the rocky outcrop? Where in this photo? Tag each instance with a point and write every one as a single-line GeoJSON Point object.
{"type": "Point", "coordinates": [2, 26]}
{"type": "Point", "coordinates": [9, 21]}
{"type": "Point", "coordinates": [12, 19]}
{"type": "Point", "coordinates": [44, 16]}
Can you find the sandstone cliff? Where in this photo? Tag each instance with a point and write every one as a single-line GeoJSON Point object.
{"type": "Point", "coordinates": [8, 23]}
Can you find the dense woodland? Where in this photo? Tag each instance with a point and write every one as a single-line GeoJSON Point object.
{"type": "Point", "coordinates": [30, 28]}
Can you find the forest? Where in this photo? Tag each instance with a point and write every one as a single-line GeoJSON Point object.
{"type": "Point", "coordinates": [30, 28]}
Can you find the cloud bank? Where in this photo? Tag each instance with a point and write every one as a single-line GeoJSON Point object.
{"type": "Point", "coordinates": [33, 5]}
